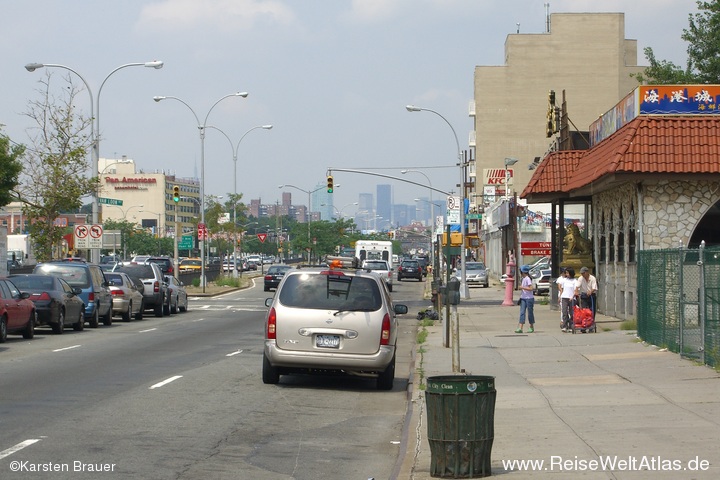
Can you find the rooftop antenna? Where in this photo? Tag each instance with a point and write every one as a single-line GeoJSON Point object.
{"type": "Point", "coordinates": [547, 17]}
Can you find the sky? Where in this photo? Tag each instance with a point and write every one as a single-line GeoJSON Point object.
{"type": "Point", "coordinates": [333, 77]}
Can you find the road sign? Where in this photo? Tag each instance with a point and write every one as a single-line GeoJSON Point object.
{"type": "Point", "coordinates": [262, 237]}
{"type": "Point", "coordinates": [88, 236]}
{"type": "Point", "coordinates": [110, 201]}
{"type": "Point", "coordinates": [186, 242]}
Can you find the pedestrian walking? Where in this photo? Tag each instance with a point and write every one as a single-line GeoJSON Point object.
{"type": "Point", "coordinates": [567, 296]}
{"type": "Point", "coordinates": [586, 290]}
{"type": "Point", "coordinates": [527, 301]}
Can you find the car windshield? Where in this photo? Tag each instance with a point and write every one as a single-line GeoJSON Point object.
{"type": "Point", "coordinates": [136, 272]}
{"type": "Point", "coordinates": [410, 264]}
{"type": "Point", "coordinates": [192, 262]}
{"type": "Point", "coordinates": [474, 266]}
{"type": "Point", "coordinates": [39, 282]}
{"type": "Point", "coordinates": [375, 266]}
{"type": "Point", "coordinates": [74, 275]}
{"type": "Point", "coordinates": [115, 278]}
{"type": "Point", "coordinates": [331, 292]}
{"type": "Point", "coordinates": [277, 270]}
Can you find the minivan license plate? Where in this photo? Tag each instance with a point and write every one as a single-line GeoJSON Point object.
{"type": "Point", "coordinates": [327, 341]}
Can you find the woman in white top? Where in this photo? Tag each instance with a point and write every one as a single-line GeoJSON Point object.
{"type": "Point", "coordinates": [567, 294]}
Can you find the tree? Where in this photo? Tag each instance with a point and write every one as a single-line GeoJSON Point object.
{"type": "Point", "coordinates": [54, 178]}
{"type": "Point", "coordinates": [703, 63]}
{"type": "Point", "coordinates": [10, 168]}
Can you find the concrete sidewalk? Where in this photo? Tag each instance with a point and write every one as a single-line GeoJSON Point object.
{"type": "Point", "coordinates": [574, 401]}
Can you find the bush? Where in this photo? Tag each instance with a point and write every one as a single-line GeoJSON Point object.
{"type": "Point", "coordinates": [196, 282]}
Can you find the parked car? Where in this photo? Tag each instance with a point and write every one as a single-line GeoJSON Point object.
{"type": "Point", "coordinates": [178, 295]}
{"type": "Point", "coordinates": [190, 265]}
{"type": "Point", "coordinates": [381, 268]}
{"type": "Point", "coordinates": [331, 321]}
{"type": "Point", "coordinates": [541, 285]}
{"type": "Point", "coordinates": [409, 269]}
{"type": "Point", "coordinates": [17, 312]}
{"type": "Point", "coordinates": [274, 275]}
{"type": "Point", "coordinates": [228, 266]}
{"type": "Point", "coordinates": [423, 262]}
{"type": "Point", "coordinates": [127, 295]}
{"type": "Point", "coordinates": [165, 263]}
{"type": "Point", "coordinates": [56, 302]}
{"type": "Point", "coordinates": [155, 294]}
{"type": "Point", "coordinates": [88, 277]}
{"type": "Point", "coordinates": [475, 274]}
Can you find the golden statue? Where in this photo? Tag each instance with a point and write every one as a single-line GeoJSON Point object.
{"type": "Point", "coordinates": [575, 243]}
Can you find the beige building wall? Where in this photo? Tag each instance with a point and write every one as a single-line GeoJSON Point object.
{"type": "Point", "coordinates": [146, 196]}
{"type": "Point", "coordinates": [585, 54]}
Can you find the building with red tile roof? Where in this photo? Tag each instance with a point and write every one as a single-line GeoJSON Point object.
{"type": "Point", "coordinates": [651, 180]}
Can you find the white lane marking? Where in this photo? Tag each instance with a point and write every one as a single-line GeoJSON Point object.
{"type": "Point", "coordinates": [199, 320]}
{"type": "Point", "coordinates": [148, 330]}
{"type": "Point", "coordinates": [233, 353]}
{"type": "Point", "coordinates": [18, 447]}
{"type": "Point", "coordinates": [165, 382]}
{"type": "Point", "coordinates": [66, 348]}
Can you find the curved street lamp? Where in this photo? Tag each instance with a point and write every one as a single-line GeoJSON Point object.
{"type": "Point", "coordinates": [463, 283]}
{"type": "Point", "coordinates": [309, 192]}
{"type": "Point", "coordinates": [95, 123]}
{"type": "Point", "coordinates": [201, 129]}
{"type": "Point", "coordinates": [235, 148]}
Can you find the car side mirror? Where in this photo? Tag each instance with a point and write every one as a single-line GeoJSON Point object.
{"type": "Point", "coordinates": [268, 302]}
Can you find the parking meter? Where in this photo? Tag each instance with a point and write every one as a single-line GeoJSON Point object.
{"type": "Point", "coordinates": [453, 291]}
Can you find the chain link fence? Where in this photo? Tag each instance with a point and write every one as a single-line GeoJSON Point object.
{"type": "Point", "coordinates": [679, 301]}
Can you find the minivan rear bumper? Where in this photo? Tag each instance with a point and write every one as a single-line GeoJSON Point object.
{"type": "Point", "coordinates": [329, 360]}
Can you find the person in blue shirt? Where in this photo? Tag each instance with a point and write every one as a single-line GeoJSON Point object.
{"type": "Point", "coordinates": [527, 301]}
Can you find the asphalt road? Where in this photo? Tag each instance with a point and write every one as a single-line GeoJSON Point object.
{"type": "Point", "coordinates": [181, 397]}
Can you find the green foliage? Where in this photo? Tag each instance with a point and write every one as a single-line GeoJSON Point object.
{"type": "Point", "coordinates": [629, 324]}
{"type": "Point", "coordinates": [54, 176]}
{"type": "Point", "coordinates": [703, 63]}
{"type": "Point", "coordinates": [10, 168]}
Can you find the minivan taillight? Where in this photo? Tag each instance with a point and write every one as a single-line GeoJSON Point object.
{"type": "Point", "coordinates": [385, 334]}
{"type": "Point", "coordinates": [156, 287]}
{"type": "Point", "coordinates": [91, 297]}
{"type": "Point", "coordinates": [271, 320]}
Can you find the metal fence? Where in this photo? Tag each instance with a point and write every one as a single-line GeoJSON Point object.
{"type": "Point", "coordinates": [679, 301]}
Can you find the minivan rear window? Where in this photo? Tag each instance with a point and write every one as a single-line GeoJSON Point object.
{"type": "Point", "coordinates": [313, 291]}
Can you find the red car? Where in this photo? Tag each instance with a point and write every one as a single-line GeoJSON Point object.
{"type": "Point", "coordinates": [17, 311]}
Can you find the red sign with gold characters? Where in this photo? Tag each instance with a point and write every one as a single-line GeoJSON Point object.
{"type": "Point", "coordinates": [536, 249]}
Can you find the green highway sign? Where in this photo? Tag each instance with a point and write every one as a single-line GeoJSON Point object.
{"type": "Point", "coordinates": [473, 216]}
{"type": "Point", "coordinates": [109, 201]}
{"type": "Point", "coordinates": [186, 242]}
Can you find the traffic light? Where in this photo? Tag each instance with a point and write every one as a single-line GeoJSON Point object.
{"type": "Point", "coordinates": [330, 184]}
{"type": "Point", "coordinates": [176, 193]}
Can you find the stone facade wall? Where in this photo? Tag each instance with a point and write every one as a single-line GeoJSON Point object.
{"type": "Point", "coordinates": [669, 213]}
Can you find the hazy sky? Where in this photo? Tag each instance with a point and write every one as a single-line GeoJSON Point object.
{"type": "Point", "coordinates": [332, 76]}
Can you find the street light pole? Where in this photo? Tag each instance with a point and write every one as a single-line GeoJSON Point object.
{"type": "Point", "coordinates": [463, 283]}
{"type": "Point", "coordinates": [309, 192]}
{"type": "Point", "coordinates": [201, 129]}
{"type": "Point", "coordinates": [94, 125]}
{"type": "Point", "coordinates": [235, 149]}
{"type": "Point", "coordinates": [125, 212]}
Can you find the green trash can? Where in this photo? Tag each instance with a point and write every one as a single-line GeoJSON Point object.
{"type": "Point", "coordinates": [461, 424]}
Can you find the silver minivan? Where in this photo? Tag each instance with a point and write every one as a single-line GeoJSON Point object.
{"type": "Point", "coordinates": [331, 321]}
